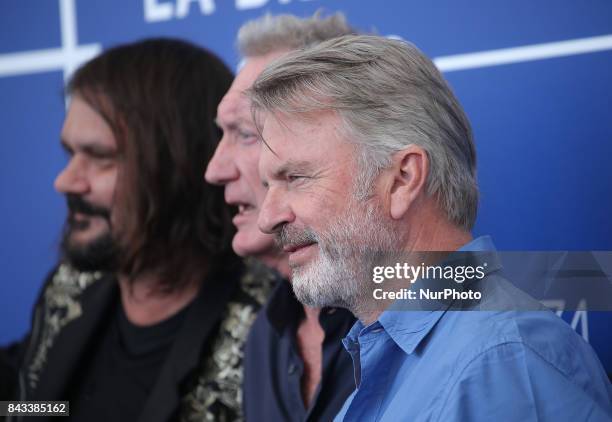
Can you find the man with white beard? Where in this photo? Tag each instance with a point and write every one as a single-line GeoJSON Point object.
{"type": "Point", "coordinates": [368, 156]}
{"type": "Point", "coordinates": [348, 249]}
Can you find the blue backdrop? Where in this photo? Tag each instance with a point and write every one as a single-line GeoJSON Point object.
{"type": "Point", "coordinates": [534, 78]}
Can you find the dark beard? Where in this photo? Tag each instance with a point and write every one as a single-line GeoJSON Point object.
{"type": "Point", "coordinates": [100, 254]}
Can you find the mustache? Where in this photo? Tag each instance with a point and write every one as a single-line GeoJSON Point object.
{"type": "Point", "coordinates": [76, 204]}
{"type": "Point", "coordinates": [289, 236]}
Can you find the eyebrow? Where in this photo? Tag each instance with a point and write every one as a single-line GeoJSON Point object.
{"type": "Point", "coordinates": [90, 148]}
{"type": "Point", "coordinates": [234, 124]}
{"type": "Point", "coordinates": [292, 166]}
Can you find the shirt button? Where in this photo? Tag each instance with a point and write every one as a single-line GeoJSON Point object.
{"type": "Point", "coordinates": [292, 369]}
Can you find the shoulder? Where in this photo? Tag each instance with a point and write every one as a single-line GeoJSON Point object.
{"type": "Point", "coordinates": [65, 297]}
{"type": "Point", "coordinates": [510, 317]}
{"type": "Point", "coordinates": [540, 333]}
{"type": "Point", "coordinates": [65, 283]}
{"type": "Point", "coordinates": [217, 391]}
{"type": "Point", "coordinates": [526, 358]}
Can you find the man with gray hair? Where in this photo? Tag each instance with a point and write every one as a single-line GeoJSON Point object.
{"type": "Point", "coordinates": [295, 367]}
{"type": "Point", "coordinates": [370, 158]}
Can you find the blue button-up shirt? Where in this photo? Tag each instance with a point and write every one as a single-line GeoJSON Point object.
{"type": "Point", "coordinates": [446, 365]}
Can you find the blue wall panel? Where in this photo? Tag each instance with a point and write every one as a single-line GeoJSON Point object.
{"type": "Point", "coordinates": [543, 128]}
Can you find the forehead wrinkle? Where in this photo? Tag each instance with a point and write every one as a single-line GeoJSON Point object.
{"type": "Point", "coordinates": [233, 100]}
{"type": "Point", "coordinates": [279, 116]}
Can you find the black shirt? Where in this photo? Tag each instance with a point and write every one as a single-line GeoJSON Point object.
{"type": "Point", "coordinates": [273, 366]}
{"type": "Point", "coordinates": [122, 368]}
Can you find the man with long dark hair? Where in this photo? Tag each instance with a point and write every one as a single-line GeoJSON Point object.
{"type": "Point", "coordinates": [146, 314]}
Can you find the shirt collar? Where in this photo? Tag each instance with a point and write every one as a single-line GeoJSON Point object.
{"type": "Point", "coordinates": [480, 244]}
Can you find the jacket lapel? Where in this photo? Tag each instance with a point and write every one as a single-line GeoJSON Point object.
{"type": "Point", "coordinates": [200, 324]}
{"type": "Point", "coordinates": [73, 340]}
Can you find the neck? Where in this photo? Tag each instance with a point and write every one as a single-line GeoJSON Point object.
{"type": "Point", "coordinates": [146, 304]}
{"type": "Point", "coordinates": [312, 316]}
{"type": "Point", "coordinates": [429, 233]}
{"type": "Point", "coordinates": [439, 237]}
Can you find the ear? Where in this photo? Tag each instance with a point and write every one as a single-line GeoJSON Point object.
{"type": "Point", "coordinates": [410, 170]}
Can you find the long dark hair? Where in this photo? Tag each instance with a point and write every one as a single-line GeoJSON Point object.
{"type": "Point", "coordinates": [160, 96]}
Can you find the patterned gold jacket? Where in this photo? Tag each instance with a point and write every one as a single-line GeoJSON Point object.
{"type": "Point", "coordinates": [202, 376]}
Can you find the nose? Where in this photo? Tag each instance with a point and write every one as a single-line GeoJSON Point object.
{"type": "Point", "coordinates": [275, 212]}
{"type": "Point", "coordinates": [221, 168]}
{"type": "Point", "coordinates": [72, 178]}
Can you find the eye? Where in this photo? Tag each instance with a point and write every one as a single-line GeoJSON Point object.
{"type": "Point", "coordinates": [103, 159]}
{"type": "Point", "coordinates": [246, 136]}
{"type": "Point", "coordinates": [295, 177]}
{"type": "Point", "coordinates": [101, 156]}
{"type": "Point", "coordinates": [106, 161]}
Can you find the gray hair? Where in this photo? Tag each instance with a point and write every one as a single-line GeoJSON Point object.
{"type": "Point", "coordinates": [269, 33]}
{"type": "Point", "coordinates": [389, 95]}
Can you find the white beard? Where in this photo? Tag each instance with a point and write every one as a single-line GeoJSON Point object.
{"type": "Point", "coordinates": [341, 275]}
